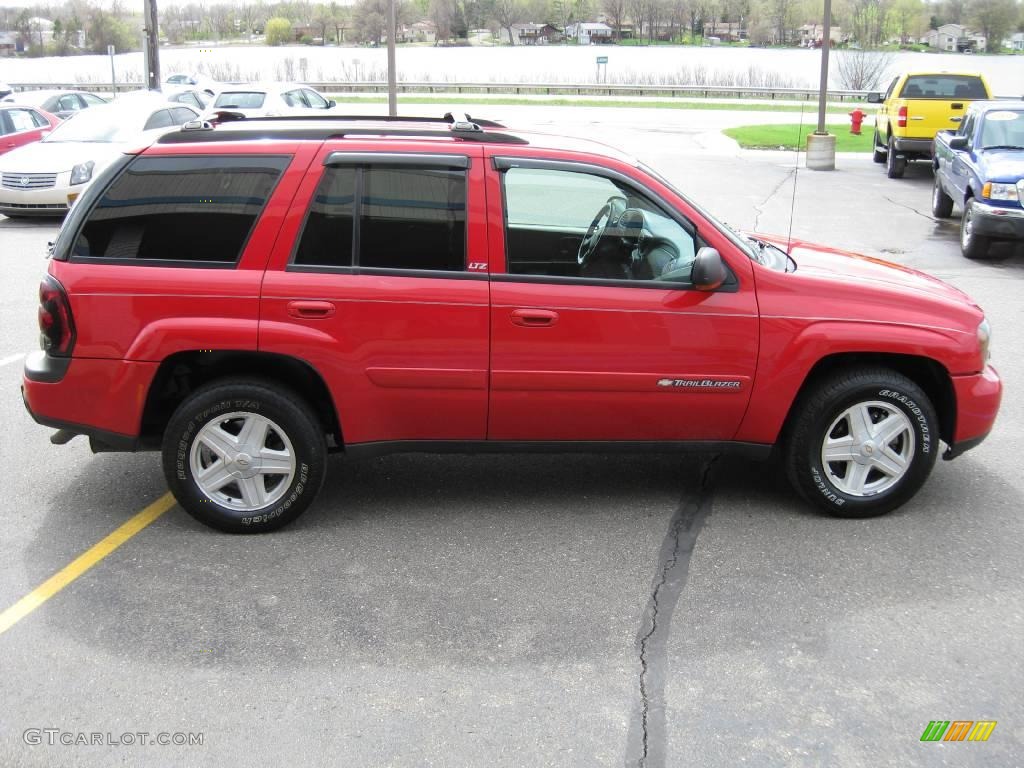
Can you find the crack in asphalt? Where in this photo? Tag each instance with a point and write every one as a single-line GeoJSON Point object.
{"type": "Point", "coordinates": [913, 210]}
{"type": "Point", "coordinates": [676, 550]}
{"type": "Point", "coordinates": [760, 208]}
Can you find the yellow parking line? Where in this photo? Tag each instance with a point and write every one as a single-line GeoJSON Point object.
{"type": "Point", "coordinates": [83, 563]}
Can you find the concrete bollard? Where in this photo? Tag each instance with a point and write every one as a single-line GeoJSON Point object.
{"type": "Point", "coordinates": [821, 152]}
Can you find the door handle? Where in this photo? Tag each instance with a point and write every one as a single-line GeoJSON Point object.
{"type": "Point", "coordinates": [534, 318]}
{"type": "Point", "coordinates": [311, 310]}
{"type": "Point", "coordinates": [955, 119]}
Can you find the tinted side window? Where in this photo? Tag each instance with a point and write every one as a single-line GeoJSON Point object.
{"type": "Point", "coordinates": [180, 209]}
{"type": "Point", "coordinates": [401, 218]}
{"type": "Point", "coordinates": [413, 218]}
{"type": "Point", "coordinates": [327, 237]}
{"type": "Point", "coordinates": [5, 123]}
{"type": "Point", "coordinates": [91, 100]}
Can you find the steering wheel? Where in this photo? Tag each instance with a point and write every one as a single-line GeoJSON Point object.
{"type": "Point", "coordinates": [609, 212]}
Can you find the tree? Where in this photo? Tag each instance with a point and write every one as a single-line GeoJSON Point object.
{"type": "Point", "coordinates": [862, 70]}
{"type": "Point", "coordinates": [278, 31]}
{"type": "Point", "coordinates": [907, 16]}
{"type": "Point", "coordinates": [995, 19]}
{"type": "Point", "coordinates": [507, 13]}
{"type": "Point", "coordinates": [616, 10]}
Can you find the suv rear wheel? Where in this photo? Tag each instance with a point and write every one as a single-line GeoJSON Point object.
{"type": "Point", "coordinates": [863, 443]}
{"type": "Point", "coordinates": [244, 456]}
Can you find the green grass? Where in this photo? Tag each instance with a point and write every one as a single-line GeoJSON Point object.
{"type": "Point", "coordinates": [791, 136]}
{"type": "Point", "coordinates": [808, 108]}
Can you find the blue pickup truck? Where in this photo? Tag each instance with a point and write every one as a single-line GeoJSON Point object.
{"type": "Point", "coordinates": [980, 167]}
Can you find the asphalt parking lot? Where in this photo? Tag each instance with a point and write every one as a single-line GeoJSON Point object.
{"type": "Point", "coordinates": [566, 610]}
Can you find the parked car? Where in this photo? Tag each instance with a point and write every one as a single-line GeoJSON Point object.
{"type": "Point", "coordinates": [23, 125]}
{"type": "Point", "coordinates": [916, 106]}
{"type": "Point", "coordinates": [193, 97]}
{"type": "Point", "coordinates": [44, 178]}
{"type": "Point", "coordinates": [269, 100]}
{"type": "Point", "coordinates": [63, 104]}
{"type": "Point", "coordinates": [980, 168]}
{"type": "Point", "coordinates": [367, 286]}
{"type": "Point", "coordinates": [207, 85]}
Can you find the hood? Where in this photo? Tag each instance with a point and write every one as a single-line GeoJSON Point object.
{"type": "Point", "coordinates": [849, 267]}
{"type": "Point", "coordinates": [1002, 164]}
{"type": "Point", "coordinates": [58, 156]}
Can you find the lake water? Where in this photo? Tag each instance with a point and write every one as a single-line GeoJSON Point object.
{"type": "Point", "coordinates": [795, 68]}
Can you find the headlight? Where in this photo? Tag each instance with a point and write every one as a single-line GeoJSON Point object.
{"type": "Point", "coordinates": [82, 172]}
{"type": "Point", "coordinates": [995, 190]}
{"type": "Point", "coordinates": [984, 337]}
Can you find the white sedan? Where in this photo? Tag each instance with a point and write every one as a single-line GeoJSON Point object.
{"type": "Point", "coordinates": [269, 100]}
{"type": "Point", "coordinates": [44, 178]}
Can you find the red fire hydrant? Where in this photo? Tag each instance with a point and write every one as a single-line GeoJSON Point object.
{"type": "Point", "coordinates": [856, 119]}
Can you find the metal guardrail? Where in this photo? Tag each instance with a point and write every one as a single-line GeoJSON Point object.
{"type": "Point", "coordinates": [524, 89]}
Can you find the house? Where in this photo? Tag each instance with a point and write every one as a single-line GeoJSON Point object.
{"type": "Point", "coordinates": [8, 43]}
{"type": "Point", "coordinates": [811, 35]}
{"type": "Point", "coordinates": [1015, 42]}
{"type": "Point", "coordinates": [977, 40]}
{"type": "Point", "coordinates": [423, 31]}
{"type": "Point", "coordinates": [590, 32]}
{"type": "Point", "coordinates": [949, 37]}
{"type": "Point", "coordinates": [732, 31]}
{"type": "Point", "coordinates": [532, 34]}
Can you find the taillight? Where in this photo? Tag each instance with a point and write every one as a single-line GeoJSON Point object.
{"type": "Point", "coordinates": [902, 118]}
{"type": "Point", "coordinates": [56, 327]}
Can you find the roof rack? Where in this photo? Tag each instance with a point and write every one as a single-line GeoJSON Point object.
{"type": "Point", "coordinates": [324, 127]}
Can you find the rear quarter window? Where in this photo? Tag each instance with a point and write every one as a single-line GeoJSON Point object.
{"type": "Point", "coordinates": [192, 210]}
{"type": "Point", "coordinates": [943, 87]}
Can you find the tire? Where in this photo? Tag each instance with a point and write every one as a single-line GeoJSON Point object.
{"type": "Point", "coordinates": [843, 406]}
{"type": "Point", "coordinates": [971, 245]}
{"type": "Point", "coordinates": [942, 204]}
{"type": "Point", "coordinates": [878, 153]}
{"type": "Point", "coordinates": [206, 430]}
{"type": "Point", "coordinates": [894, 165]}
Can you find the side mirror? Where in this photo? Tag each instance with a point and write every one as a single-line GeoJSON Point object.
{"type": "Point", "coordinates": [331, 104]}
{"type": "Point", "coordinates": [708, 270]}
{"type": "Point", "coordinates": [874, 98]}
{"type": "Point", "coordinates": [958, 143]}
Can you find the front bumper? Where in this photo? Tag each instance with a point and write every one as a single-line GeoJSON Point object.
{"type": "Point", "coordinates": [997, 221]}
{"type": "Point", "coordinates": [51, 201]}
{"type": "Point", "coordinates": [977, 403]}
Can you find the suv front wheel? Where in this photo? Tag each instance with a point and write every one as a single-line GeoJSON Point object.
{"type": "Point", "coordinates": [244, 456]}
{"type": "Point", "coordinates": [863, 443]}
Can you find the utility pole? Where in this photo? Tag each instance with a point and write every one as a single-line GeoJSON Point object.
{"type": "Point", "coordinates": [151, 29]}
{"type": "Point", "coordinates": [821, 145]}
{"type": "Point", "coordinates": [826, 44]}
{"type": "Point", "coordinates": [392, 78]}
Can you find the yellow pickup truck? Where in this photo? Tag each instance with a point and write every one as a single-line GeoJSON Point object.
{"type": "Point", "coordinates": [916, 106]}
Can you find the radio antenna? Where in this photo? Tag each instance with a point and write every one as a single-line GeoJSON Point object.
{"type": "Point", "coordinates": [796, 171]}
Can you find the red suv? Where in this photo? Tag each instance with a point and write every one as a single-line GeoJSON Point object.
{"type": "Point", "coordinates": [250, 297]}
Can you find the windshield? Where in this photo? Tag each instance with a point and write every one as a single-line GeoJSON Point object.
{"type": "Point", "coordinates": [97, 124]}
{"type": "Point", "coordinates": [734, 236]}
{"type": "Point", "coordinates": [1004, 128]}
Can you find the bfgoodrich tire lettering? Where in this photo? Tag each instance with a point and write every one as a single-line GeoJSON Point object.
{"type": "Point", "coordinates": [244, 456]}
{"type": "Point", "coordinates": [862, 443]}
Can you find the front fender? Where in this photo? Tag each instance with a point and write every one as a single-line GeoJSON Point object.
{"type": "Point", "coordinates": [791, 348]}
